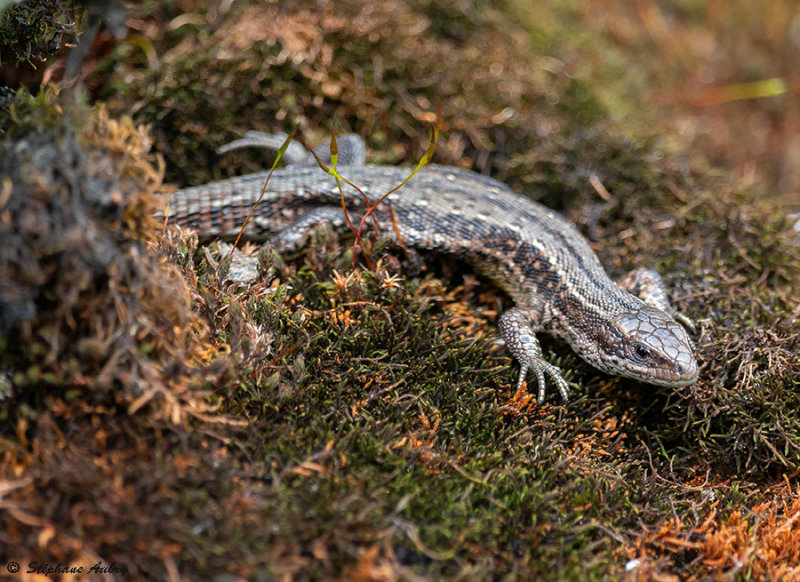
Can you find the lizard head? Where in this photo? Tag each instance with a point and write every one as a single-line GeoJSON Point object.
{"type": "Point", "coordinates": [648, 345]}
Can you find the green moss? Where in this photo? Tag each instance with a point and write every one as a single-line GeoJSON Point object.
{"type": "Point", "coordinates": [23, 114]}
{"type": "Point", "coordinates": [33, 30]}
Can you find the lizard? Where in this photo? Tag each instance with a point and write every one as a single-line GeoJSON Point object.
{"type": "Point", "coordinates": [556, 281]}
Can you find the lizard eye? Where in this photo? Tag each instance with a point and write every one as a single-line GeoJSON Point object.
{"type": "Point", "coordinates": [641, 352]}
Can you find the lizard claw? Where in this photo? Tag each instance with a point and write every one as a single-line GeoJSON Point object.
{"type": "Point", "coordinates": [521, 341]}
{"type": "Point", "coordinates": [540, 368]}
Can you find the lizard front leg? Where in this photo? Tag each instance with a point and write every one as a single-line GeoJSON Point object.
{"type": "Point", "coordinates": [519, 334]}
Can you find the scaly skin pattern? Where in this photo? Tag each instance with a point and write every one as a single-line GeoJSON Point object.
{"type": "Point", "coordinates": [554, 278]}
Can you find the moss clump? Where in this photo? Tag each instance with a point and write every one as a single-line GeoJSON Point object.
{"type": "Point", "coordinates": [34, 30]}
{"type": "Point", "coordinates": [85, 303]}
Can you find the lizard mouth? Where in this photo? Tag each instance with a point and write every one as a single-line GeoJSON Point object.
{"type": "Point", "coordinates": [683, 379]}
{"type": "Point", "coordinates": [681, 373]}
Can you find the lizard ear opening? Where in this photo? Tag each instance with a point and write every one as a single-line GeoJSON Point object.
{"type": "Point", "coordinates": [611, 339]}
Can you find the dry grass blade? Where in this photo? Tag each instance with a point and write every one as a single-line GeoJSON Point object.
{"type": "Point", "coordinates": [423, 162]}
{"type": "Point", "coordinates": [280, 153]}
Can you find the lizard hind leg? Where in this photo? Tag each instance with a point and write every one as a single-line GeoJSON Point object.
{"type": "Point", "coordinates": [295, 236]}
{"type": "Point", "coordinates": [515, 328]}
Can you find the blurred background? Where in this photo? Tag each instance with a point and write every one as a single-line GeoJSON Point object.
{"type": "Point", "coordinates": [715, 79]}
{"type": "Point", "coordinates": [718, 76]}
